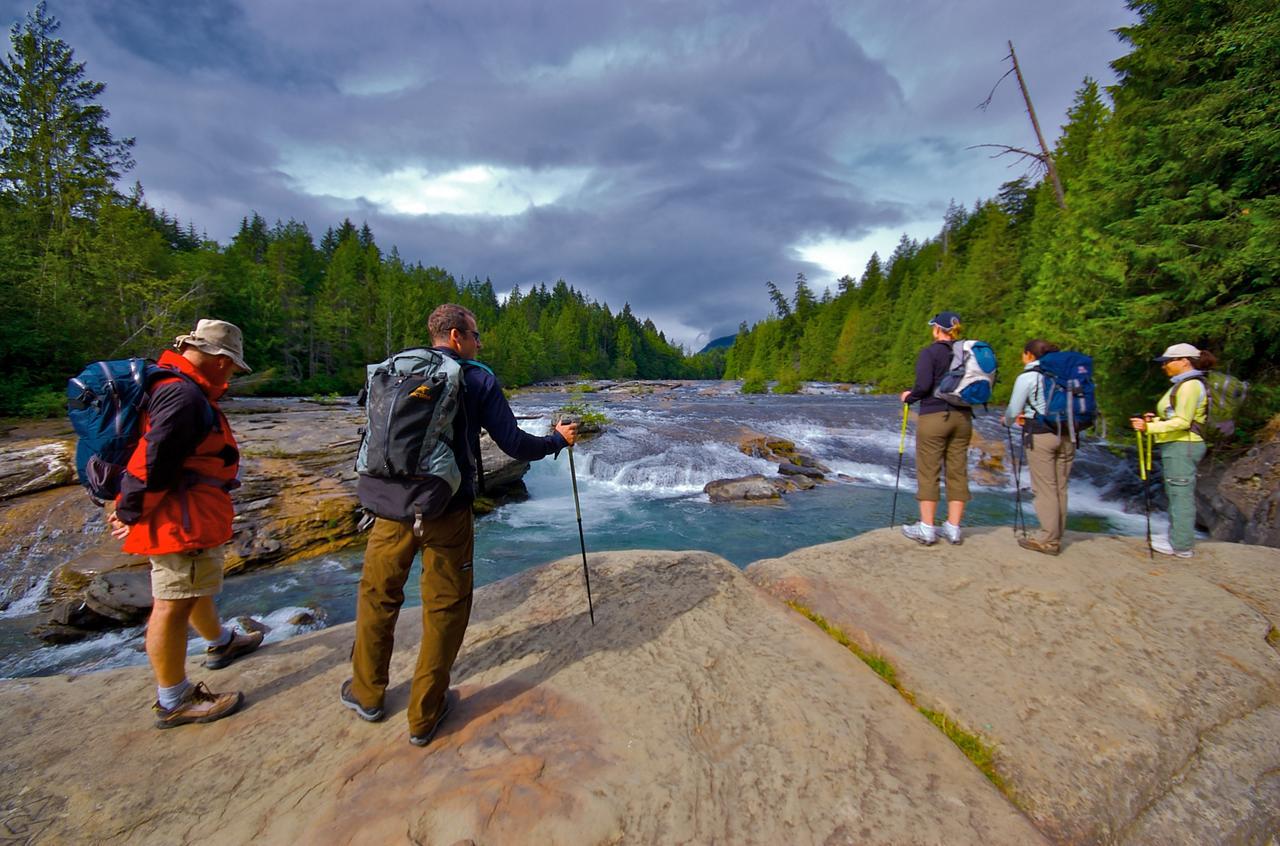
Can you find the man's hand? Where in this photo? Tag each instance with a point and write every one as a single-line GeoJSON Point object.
{"type": "Point", "coordinates": [119, 530]}
{"type": "Point", "coordinates": [904, 396]}
{"type": "Point", "coordinates": [568, 431]}
{"type": "Point", "coordinates": [1138, 423]}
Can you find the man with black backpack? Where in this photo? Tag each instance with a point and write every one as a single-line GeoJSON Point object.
{"type": "Point", "coordinates": [174, 506]}
{"type": "Point", "coordinates": [421, 489]}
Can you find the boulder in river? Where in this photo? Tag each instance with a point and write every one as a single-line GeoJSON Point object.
{"type": "Point", "coordinates": [754, 488]}
{"type": "Point", "coordinates": [121, 595]}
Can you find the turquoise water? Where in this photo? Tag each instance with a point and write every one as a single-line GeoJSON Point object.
{"type": "Point", "coordinates": [640, 487]}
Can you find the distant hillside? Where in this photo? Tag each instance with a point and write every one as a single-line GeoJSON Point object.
{"type": "Point", "coordinates": [719, 343]}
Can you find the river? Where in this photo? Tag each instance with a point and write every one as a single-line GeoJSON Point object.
{"type": "Point", "coordinates": [640, 485]}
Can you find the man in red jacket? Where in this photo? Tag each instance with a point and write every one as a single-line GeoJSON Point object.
{"type": "Point", "coordinates": [175, 507]}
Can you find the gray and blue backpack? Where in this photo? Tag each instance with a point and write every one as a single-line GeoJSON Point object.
{"type": "Point", "coordinates": [970, 376]}
{"type": "Point", "coordinates": [407, 464]}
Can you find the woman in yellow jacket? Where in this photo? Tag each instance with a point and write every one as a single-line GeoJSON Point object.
{"type": "Point", "coordinates": [1176, 426]}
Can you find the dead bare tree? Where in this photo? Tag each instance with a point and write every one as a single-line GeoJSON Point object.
{"type": "Point", "coordinates": [1043, 158]}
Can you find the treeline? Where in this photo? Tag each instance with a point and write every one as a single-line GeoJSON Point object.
{"type": "Point", "coordinates": [1170, 232]}
{"type": "Point", "coordinates": [89, 273]}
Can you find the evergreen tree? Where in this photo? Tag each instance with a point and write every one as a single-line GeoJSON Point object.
{"type": "Point", "coordinates": [57, 155]}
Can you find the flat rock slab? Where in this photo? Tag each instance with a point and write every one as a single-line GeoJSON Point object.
{"type": "Point", "coordinates": [1130, 700]}
{"type": "Point", "coordinates": [698, 709]}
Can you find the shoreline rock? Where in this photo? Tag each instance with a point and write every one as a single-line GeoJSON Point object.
{"type": "Point", "coordinates": [652, 726]}
{"type": "Point", "coordinates": [1128, 701]}
{"type": "Point", "coordinates": [297, 500]}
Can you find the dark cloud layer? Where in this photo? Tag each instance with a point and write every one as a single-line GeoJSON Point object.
{"type": "Point", "coordinates": [710, 139]}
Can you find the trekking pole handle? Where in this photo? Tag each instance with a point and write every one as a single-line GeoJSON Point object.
{"type": "Point", "coordinates": [902, 442]}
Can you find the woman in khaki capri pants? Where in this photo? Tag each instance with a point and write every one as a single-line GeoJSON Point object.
{"type": "Point", "coordinates": [1051, 452]}
{"type": "Point", "coordinates": [943, 432]}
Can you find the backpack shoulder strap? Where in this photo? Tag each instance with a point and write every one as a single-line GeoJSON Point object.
{"type": "Point", "coordinates": [160, 373]}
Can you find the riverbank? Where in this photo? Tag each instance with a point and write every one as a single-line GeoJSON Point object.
{"type": "Point", "coordinates": [1125, 701]}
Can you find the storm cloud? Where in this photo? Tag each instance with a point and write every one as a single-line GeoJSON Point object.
{"type": "Point", "coordinates": [673, 155]}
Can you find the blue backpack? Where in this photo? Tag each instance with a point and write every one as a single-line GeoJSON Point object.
{"type": "Point", "coordinates": [1067, 385]}
{"type": "Point", "coordinates": [105, 404]}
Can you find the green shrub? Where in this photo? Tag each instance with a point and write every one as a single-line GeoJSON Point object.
{"type": "Point", "coordinates": [44, 403]}
{"type": "Point", "coordinates": [754, 383]}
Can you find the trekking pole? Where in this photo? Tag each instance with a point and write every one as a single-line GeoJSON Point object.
{"type": "Point", "coordinates": [902, 445]}
{"type": "Point", "coordinates": [1143, 466]}
{"type": "Point", "coordinates": [586, 574]}
{"type": "Point", "coordinates": [1017, 486]}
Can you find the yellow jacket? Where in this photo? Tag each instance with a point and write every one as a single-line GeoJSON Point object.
{"type": "Point", "coordinates": [1173, 423]}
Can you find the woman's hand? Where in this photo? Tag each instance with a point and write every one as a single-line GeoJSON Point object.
{"type": "Point", "coordinates": [1138, 423]}
{"type": "Point", "coordinates": [904, 396]}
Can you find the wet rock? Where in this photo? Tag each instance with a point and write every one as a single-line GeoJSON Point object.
{"type": "Point", "coordinates": [1238, 494]}
{"type": "Point", "coordinates": [249, 625]}
{"type": "Point", "coordinates": [30, 466]}
{"type": "Point", "coordinates": [786, 468]}
{"type": "Point", "coordinates": [308, 617]}
{"type": "Point", "coordinates": [78, 614]}
{"type": "Point", "coordinates": [500, 469]}
{"type": "Point", "coordinates": [787, 484]}
{"type": "Point", "coordinates": [123, 596]}
{"type": "Point", "coordinates": [987, 467]}
{"type": "Point", "coordinates": [57, 634]}
{"type": "Point", "coordinates": [782, 452]}
{"type": "Point", "coordinates": [754, 488]}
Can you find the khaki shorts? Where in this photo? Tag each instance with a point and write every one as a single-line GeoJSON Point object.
{"type": "Point", "coordinates": [186, 575]}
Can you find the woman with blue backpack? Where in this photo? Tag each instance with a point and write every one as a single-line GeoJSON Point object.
{"type": "Point", "coordinates": [1051, 450]}
{"type": "Point", "coordinates": [1176, 427]}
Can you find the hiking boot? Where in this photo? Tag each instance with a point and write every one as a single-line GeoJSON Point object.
{"type": "Point", "coordinates": [921, 533]}
{"type": "Point", "coordinates": [241, 643]}
{"type": "Point", "coordinates": [198, 705]}
{"type": "Point", "coordinates": [1039, 546]}
{"type": "Point", "coordinates": [952, 534]}
{"type": "Point", "coordinates": [450, 702]}
{"type": "Point", "coordinates": [1162, 546]}
{"type": "Point", "coordinates": [369, 715]}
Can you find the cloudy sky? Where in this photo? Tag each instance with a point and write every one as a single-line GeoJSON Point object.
{"type": "Point", "coordinates": [674, 154]}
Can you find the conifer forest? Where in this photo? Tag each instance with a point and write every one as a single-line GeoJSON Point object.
{"type": "Point", "coordinates": [1167, 229]}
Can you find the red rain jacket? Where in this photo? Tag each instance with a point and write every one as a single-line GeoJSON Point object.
{"type": "Point", "coordinates": [174, 491]}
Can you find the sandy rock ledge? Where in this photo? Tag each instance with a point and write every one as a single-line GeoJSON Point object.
{"type": "Point", "coordinates": [697, 710]}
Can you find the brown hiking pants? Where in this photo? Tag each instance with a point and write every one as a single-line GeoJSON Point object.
{"type": "Point", "coordinates": [1049, 459]}
{"type": "Point", "coordinates": [447, 544]}
{"type": "Point", "coordinates": [942, 439]}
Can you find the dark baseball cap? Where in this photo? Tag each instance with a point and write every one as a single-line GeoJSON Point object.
{"type": "Point", "coordinates": [945, 320]}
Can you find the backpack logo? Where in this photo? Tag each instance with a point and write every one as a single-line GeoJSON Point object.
{"type": "Point", "coordinates": [971, 376]}
{"type": "Point", "coordinates": [411, 400]}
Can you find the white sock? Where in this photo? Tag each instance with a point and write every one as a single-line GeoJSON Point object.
{"type": "Point", "coordinates": [223, 639]}
{"type": "Point", "coordinates": [170, 696]}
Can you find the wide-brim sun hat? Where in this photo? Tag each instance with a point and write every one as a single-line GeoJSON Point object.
{"type": "Point", "coordinates": [1178, 351]}
{"type": "Point", "coordinates": [216, 337]}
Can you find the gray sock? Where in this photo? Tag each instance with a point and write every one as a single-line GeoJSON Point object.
{"type": "Point", "coordinates": [170, 696]}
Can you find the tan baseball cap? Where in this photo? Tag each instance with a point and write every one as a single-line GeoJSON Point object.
{"type": "Point", "coordinates": [1178, 351]}
{"type": "Point", "coordinates": [216, 337]}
